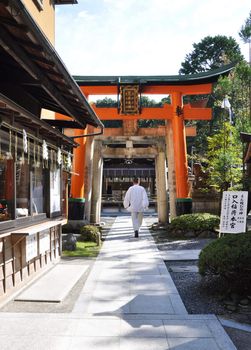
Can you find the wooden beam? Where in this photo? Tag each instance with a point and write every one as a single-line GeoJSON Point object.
{"type": "Point", "coordinates": [14, 24]}
{"type": "Point", "coordinates": [42, 60]}
{"type": "Point", "coordinates": [159, 113]}
{"type": "Point", "coordinates": [197, 113]}
{"type": "Point", "coordinates": [99, 90]}
{"type": "Point", "coordinates": [143, 132]}
{"type": "Point", "coordinates": [29, 44]}
{"type": "Point", "coordinates": [62, 123]}
{"type": "Point", "coordinates": [199, 89]}
{"type": "Point", "coordinates": [149, 152]}
{"type": "Point", "coordinates": [164, 112]}
{"type": "Point", "coordinates": [2, 105]}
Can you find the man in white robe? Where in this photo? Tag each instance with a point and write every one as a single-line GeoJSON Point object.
{"type": "Point", "coordinates": [136, 202]}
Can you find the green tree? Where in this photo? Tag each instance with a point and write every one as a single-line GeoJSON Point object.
{"type": "Point", "coordinates": [147, 102]}
{"type": "Point", "coordinates": [224, 157]}
{"type": "Point", "coordinates": [106, 102]}
{"type": "Point", "coordinates": [211, 53]}
{"type": "Point", "coordinates": [245, 34]}
{"type": "Point", "coordinates": [237, 87]}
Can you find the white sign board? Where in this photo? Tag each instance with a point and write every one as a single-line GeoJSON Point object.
{"type": "Point", "coordinates": [55, 191]}
{"type": "Point", "coordinates": [44, 241]}
{"type": "Point", "coordinates": [31, 247]}
{"type": "Point", "coordinates": [233, 212]}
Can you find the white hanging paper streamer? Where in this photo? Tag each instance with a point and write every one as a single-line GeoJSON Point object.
{"type": "Point", "coordinates": [45, 150]}
{"type": "Point", "coordinates": [68, 161]}
{"type": "Point", "coordinates": [59, 157]}
{"type": "Point", "coordinates": [9, 154]}
{"type": "Point", "coordinates": [25, 142]}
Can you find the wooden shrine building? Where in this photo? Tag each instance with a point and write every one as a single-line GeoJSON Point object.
{"type": "Point", "coordinates": [35, 158]}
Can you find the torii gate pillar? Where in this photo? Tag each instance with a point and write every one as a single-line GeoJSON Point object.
{"type": "Point", "coordinates": [160, 166]}
{"type": "Point", "coordinates": [97, 182]}
{"type": "Point", "coordinates": [183, 202]}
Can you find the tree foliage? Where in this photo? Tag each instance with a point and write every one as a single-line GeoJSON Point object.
{"type": "Point", "coordinates": [211, 53]}
{"type": "Point", "coordinates": [106, 102]}
{"type": "Point", "coordinates": [237, 87]}
{"type": "Point", "coordinates": [224, 158]}
{"type": "Point", "coordinates": [245, 32]}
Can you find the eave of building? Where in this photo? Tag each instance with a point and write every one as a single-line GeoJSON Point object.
{"type": "Point", "coordinates": [23, 119]}
{"type": "Point", "coordinates": [65, 2]}
{"type": "Point", "coordinates": [30, 64]}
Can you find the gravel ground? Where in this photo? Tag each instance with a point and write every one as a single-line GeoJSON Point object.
{"type": "Point", "coordinates": [163, 243]}
{"type": "Point", "coordinates": [241, 339]}
{"type": "Point", "coordinates": [205, 298]}
{"type": "Point", "coordinates": [196, 296]}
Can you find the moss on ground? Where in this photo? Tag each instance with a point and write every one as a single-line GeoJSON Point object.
{"type": "Point", "coordinates": [84, 249]}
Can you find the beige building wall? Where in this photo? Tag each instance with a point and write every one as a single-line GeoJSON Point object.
{"type": "Point", "coordinates": [43, 12]}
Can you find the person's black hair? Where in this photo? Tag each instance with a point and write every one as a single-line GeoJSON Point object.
{"type": "Point", "coordinates": [135, 180]}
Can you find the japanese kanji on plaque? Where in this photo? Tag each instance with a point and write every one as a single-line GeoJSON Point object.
{"type": "Point", "coordinates": [233, 212]}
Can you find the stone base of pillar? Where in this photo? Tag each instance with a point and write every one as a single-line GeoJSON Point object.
{"type": "Point", "coordinates": [75, 224]}
{"type": "Point", "coordinates": [76, 209]}
{"type": "Point", "coordinates": [183, 206]}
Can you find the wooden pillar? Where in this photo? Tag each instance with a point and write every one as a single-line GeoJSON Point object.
{"type": "Point", "coordinates": [183, 202]}
{"type": "Point", "coordinates": [161, 185]}
{"type": "Point", "coordinates": [88, 173]}
{"type": "Point", "coordinates": [97, 182]}
{"type": "Point", "coordinates": [171, 169]}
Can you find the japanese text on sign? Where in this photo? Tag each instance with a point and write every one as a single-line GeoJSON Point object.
{"type": "Point", "coordinates": [233, 212]}
{"type": "Point", "coordinates": [129, 101]}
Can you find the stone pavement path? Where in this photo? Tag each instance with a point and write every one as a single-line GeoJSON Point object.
{"type": "Point", "coordinates": [129, 301]}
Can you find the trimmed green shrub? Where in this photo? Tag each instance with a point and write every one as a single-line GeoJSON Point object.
{"type": "Point", "coordinates": [197, 222]}
{"type": "Point", "coordinates": [90, 233]}
{"type": "Point", "coordinates": [230, 258]}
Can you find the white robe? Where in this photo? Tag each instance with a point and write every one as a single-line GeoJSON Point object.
{"type": "Point", "coordinates": [136, 199]}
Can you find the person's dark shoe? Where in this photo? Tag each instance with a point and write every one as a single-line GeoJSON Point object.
{"type": "Point", "coordinates": [136, 233]}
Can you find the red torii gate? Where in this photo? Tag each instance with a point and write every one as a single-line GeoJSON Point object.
{"type": "Point", "coordinates": [175, 113]}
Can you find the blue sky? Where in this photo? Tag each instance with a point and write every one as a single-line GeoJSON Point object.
{"type": "Point", "coordinates": [141, 37]}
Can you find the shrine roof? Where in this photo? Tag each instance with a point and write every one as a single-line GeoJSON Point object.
{"type": "Point", "coordinates": [31, 67]}
{"type": "Point", "coordinates": [210, 76]}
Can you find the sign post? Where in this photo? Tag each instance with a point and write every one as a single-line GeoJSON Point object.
{"type": "Point", "coordinates": [233, 212]}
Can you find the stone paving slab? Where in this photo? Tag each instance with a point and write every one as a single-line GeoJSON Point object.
{"type": "Point", "coordinates": [55, 285]}
{"type": "Point", "coordinates": [194, 332]}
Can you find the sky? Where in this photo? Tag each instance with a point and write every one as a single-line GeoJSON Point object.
{"type": "Point", "coordinates": [141, 37]}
